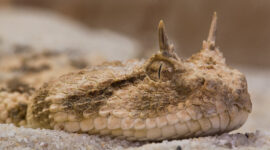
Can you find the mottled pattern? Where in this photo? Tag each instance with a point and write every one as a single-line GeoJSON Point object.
{"type": "Point", "coordinates": [163, 97]}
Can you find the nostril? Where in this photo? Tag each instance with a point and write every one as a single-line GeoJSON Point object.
{"type": "Point", "coordinates": [201, 81]}
{"type": "Point", "coordinates": [210, 85]}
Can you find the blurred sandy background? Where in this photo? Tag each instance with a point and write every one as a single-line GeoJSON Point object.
{"type": "Point", "coordinates": [243, 25]}
{"type": "Point", "coordinates": [243, 33]}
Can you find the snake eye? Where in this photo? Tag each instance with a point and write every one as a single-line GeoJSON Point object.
{"type": "Point", "coordinates": [160, 71]}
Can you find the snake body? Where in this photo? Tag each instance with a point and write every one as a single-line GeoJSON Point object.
{"type": "Point", "coordinates": [163, 97]}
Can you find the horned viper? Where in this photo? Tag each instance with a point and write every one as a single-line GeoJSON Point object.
{"type": "Point", "coordinates": [163, 97]}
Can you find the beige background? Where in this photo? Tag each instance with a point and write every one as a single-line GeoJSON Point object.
{"type": "Point", "coordinates": [243, 25]}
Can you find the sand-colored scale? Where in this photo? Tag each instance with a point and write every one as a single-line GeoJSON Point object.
{"type": "Point", "coordinates": [161, 121]}
{"type": "Point", "coordinates": [215, 121]}
{"type": "Point", "coordinates": [127, 123]}
{"type": "Point", "coordinates": [100, 123]}
{"type": "Point", "coordinates": [153, 133]}
{"type": "Point", "coordinates": [128, 133]}
{"type": "Point", "coordinates": [168, 131]}
{"type": "Point", "coordinates": [3, 116]}
{"type": "Point", "coordinates": [72, 117]}
{"type": "Point", "coordinates": [243, 117]}
{"type": "Point", "coordinates": [181, 129]}
{"type": "Point", "coordinates": [105, 132]}
{"type": "Point", "coordinates": [60, 117]}
{"type": "Point", "coordinates": [138, 134]}
{"type": "Point", "coordinates": [194, 112]}
{"type": "Point", "coordinates": [193, 126]}
{"type": "Point", "coordinates": [86, 125]}
{"type": "Point", "coordinates": [224, 120]}
{"type": "Point", "coordinates": [120, 113]}
{"type": "Point", "coordinates": [9, 102]}
{"type": "Point", "coordinates": [114, 122]}
{"type": "Point", "coordinates": [172, 119]}
{"type": "Point", "coordinates": [54, 108]}
{"type": "Point", "coordinates": [205, 124]}
{"type": "Point", "coordinates": [102, 113]}
{"type": "Point", "coordinates": [139, 124]}
{"type": "Point", "coordinates": [72, 126]}
{"type": "Point", "coordinates": [117, 132]}
{"type": "Point", "coordinates": [183, 116]}
{"type": "Point", "coordinates": [239, 116]}
{"type": "Point", "coordinates": [150, 123]}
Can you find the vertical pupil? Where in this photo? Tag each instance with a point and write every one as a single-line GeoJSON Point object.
{"type": "Point", "coordinates": [159, 70]}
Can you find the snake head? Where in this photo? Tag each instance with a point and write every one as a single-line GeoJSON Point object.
{"type": "Point", "coordinates": [204, 85]}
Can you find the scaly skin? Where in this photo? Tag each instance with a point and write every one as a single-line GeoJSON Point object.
{"type": "Point", "coordinates": [164, 97]}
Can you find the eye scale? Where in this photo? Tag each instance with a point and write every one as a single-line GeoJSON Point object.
{"type": "Point", "coordinates": [162, 98]}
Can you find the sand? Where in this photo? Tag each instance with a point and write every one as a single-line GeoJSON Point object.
{"type": "Point", "coordinates": [12, 137]}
